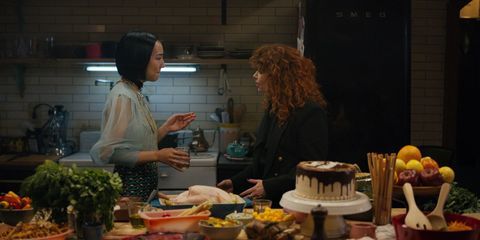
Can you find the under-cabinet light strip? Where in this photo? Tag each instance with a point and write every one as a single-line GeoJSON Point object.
{"type": "Point", "coordinates": [164, 69]}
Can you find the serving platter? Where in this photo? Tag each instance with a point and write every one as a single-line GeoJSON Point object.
{"type": "Point", "coordinates": [60, 236]}
{"type": "Point", "coordinates": [219, 210]}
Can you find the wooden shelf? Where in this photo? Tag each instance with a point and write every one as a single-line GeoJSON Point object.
{"type": "Point", "coordinates": [208, 61]}
{"type": "Point", "coordinates": [84, 61]}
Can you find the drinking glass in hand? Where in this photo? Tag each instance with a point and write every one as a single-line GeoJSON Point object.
{"type": "Point", "coordinates": [187, 151]}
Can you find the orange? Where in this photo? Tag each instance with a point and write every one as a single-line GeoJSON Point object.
{"type": "Point", "coordinates": [428, 162]}
{"type": "Point", "coordinates": [409, 152]}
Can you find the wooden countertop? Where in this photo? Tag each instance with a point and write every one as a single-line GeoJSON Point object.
{"type": "Point", "coordinates": [122, 230]}
{"type": "Point", "coordinates": [24, 159]}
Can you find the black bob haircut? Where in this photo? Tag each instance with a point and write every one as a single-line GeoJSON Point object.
{"type": "Point", "coordinates": [133, 54]}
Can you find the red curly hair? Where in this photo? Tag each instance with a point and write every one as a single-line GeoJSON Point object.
{"type": "Point", "coordinates": [290, 79]}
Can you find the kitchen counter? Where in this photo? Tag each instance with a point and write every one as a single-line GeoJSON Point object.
{"type": "Point", "coordinates": [24, 160]}
{"type": "Point", "coordinates": [227, 168]}
{"type": "Point", "coordinates": [14, 168]}
{"type": "Point", "coordinates": [233, 163]}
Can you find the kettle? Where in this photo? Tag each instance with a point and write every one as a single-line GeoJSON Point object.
{"type": "Point", "coordinates": [199, 143]}
{"type": "Point", "coordinates": [54, 132]}
{"type": "Point", "coordinates": [237, 149]}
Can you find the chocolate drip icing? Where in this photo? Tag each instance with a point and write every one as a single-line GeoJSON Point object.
{"type": "Point", "coordinates": [330, 176]}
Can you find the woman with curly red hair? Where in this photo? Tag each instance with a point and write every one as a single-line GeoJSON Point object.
{"type": "Point", "coordinates": [293, 128]}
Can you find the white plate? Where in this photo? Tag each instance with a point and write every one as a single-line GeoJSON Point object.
{"type": "Point", "coordinates": [227, 156]}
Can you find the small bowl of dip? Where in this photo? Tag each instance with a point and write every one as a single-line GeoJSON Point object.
{"type": "Point", "coordinates": [245, 218]}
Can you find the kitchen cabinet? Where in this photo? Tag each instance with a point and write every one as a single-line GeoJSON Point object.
{"type": "Point", "coordinates": [170, 179]}
{"type": "Point", "coordinates": [85, 61]}
{"type": "Point", "coordinates": [227, 168]}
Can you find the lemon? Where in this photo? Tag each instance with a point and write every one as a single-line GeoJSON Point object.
{"type": "Point", "coordinates": [400, 165]}
{"type": "Point", "coordinates": [415, 165]}
{"type": "Point", "coordinates": [447, 174]}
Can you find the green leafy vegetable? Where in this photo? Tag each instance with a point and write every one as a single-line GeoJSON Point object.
{"type": "Point", "coordinates": [460, 200]}
{"type": "Point", "coordinates": [49, 188]}
{"type": "Point", "coordinates": [94, 194]}
{"type": "Point", "coordinates": [90, 193]}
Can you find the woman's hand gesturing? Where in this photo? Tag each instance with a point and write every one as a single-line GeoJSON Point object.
{"type": "Point", "coordinates": [179, 121]}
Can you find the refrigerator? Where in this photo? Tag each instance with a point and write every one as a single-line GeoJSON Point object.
{"type": "Point", "coordinates": [361, 50]}
{"type": "Point", "coordinates": [468, 119]}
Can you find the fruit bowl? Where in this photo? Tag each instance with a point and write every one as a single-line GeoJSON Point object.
{"type": "Point", "coordinates": [418, 191]}
{"type": "Point", "coordinates": [14, 216]}
{"type": "Point", "coordinates": [405, 233]}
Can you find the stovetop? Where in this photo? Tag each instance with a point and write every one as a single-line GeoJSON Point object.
{"type": "Point", "coordinates": [203, 159]}
{"type": "Point", "coordinates": [199, 159]}
{"type": "Point", "coordinates": [89, 138]}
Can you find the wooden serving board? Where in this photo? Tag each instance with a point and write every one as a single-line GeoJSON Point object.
{"type": "Point", "coordinates": [122, 230]}
{"type": "Point", "coordinates": [4, 227]}
{"type": "Point", "coordinates": [125, 231]}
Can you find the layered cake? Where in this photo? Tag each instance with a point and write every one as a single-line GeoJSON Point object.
{"type": "Point", "coordinates": [325, 180]}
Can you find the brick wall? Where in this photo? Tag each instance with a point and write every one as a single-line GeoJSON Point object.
{"type": "Point", "coordinates": [249, 24]}
{"type": "Point", "coordinates": [427, 71]}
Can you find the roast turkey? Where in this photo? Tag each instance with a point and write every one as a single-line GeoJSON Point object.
{"type": "Point", "coordinates": [198, 193]}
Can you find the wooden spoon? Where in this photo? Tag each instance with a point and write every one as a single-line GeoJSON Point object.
{"type": "Point", "coordinates": [415, 218]}
{"type": "Point", "coordinates": [436, 216]}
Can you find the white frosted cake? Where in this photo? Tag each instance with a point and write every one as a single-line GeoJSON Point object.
{"type": "Point", "coordinates": [325, 180]}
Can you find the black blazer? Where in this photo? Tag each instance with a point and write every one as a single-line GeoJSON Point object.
{"type": "Point", "coordinates": [278, 150]}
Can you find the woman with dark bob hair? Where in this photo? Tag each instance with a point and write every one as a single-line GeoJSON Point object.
{"type": "Point", "coordinates": [293, 127]}
{"type": "Point", "coordinates": [129, 134]}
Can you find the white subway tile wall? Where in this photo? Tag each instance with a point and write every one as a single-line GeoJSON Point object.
{"type": "Point", "coordinates": [84, 101]}
{"type": "Point", "coordinates": [249, 24]}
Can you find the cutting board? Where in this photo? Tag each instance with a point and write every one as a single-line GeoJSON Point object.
{"type": "Point", "coordinates": [122, 230]}
{"type": "Point", "coordinates": [125, 230]}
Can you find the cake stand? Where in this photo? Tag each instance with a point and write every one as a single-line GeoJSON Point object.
{"type": "Point", "coordinates": [334, 223]}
